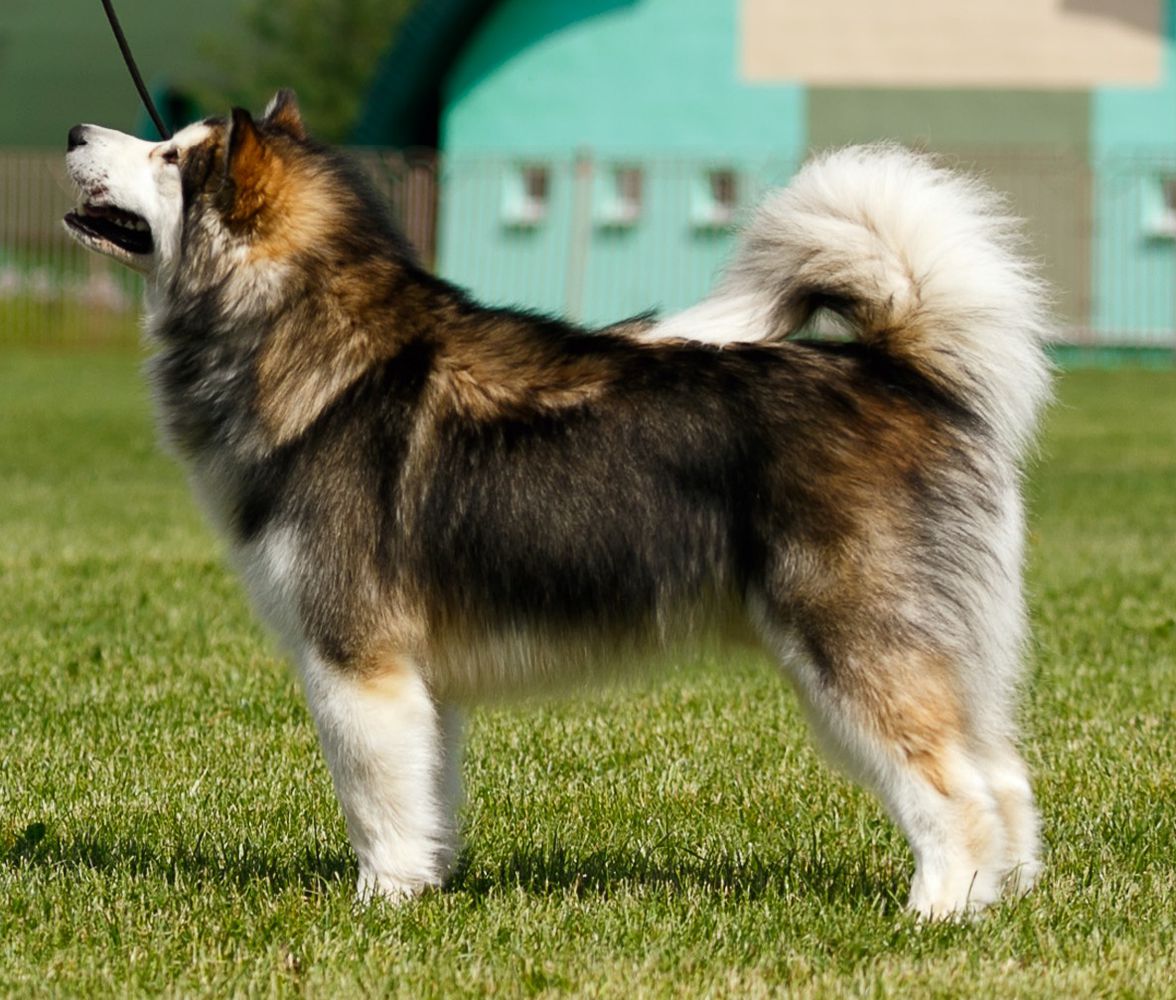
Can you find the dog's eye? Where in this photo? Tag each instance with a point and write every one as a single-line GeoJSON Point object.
{"type": "Point", "coordinates": [171, 156]}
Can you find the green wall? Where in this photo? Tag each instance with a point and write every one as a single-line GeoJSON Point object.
{"type": "Point", "coordinates": [60, 64]}
{"type": "Point", "coordinates": [504, 264]}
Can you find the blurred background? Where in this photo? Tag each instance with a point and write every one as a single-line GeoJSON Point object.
{"type": "Point", "coordinates": [591, 157]}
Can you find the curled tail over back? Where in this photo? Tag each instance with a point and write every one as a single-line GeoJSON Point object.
{"type": "Point", "coordinates": [922, 262]}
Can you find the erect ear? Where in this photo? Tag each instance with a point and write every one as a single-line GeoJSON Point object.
{"type": "Point", "coordinates": [282, 113]}
{"type": "Point", "coordinates": [246, 165]}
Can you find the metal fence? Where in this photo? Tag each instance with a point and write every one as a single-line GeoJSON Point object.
{"type": "Point", "coordinates": [1105, 232]}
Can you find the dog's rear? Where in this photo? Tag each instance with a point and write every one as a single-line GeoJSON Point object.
{"type": "Point", "coordinates": [925, 266]}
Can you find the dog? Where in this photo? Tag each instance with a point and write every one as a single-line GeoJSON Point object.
{"type": "Point", "coordinates": [433, 502]}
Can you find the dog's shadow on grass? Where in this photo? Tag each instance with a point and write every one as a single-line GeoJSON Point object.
{"type": "Point", "coordinates": [553, 869]}
{"type": "Point", "coordinates": [202, 861]}
{"type": "Point", "coordinates": [539, 870]}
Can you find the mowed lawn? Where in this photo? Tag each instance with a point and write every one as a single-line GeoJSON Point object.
{"type": "Point", "coordinates": [167, 825]}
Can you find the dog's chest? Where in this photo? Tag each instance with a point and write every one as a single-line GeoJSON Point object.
{"type": "Point", "coordinates": [269, 564]}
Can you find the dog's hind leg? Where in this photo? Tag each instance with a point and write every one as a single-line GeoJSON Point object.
{"type": "Point", "coordinates": [391, 753]}
{"type": "Point", "coordinates": [891, 717]}
{"type": "Point", "coordinates": [1008, 782]}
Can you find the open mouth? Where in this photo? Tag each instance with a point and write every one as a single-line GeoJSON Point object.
{"type": "Point", "coordinates": [104, 224]}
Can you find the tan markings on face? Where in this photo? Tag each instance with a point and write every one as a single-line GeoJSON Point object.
{"type": "Point", "coordinates": [301, 214]}
{"type": "Point", "coordinates": [187, 140]}
{"type": "Point", "coordinates": [282, 201]}
{"type": "Point", "coordinates": [202, 163]}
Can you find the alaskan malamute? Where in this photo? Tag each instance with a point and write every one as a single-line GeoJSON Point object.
{"type": "Point", "coordinates": [432, 502]}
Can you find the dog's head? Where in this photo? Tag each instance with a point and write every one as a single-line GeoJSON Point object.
{"type": "Point", "coordinates": [225, 190]}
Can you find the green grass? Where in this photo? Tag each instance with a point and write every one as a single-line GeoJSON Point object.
{"type": "Point", "coordinates": [63, 324]}
{"type": "Point", "coordinates": [167, 825]}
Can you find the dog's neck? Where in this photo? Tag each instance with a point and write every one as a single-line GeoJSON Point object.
{"type": "Point", "coordinates": [247, 363]}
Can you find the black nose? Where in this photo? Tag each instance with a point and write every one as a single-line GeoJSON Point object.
{"type": "Point", "coordinates": [77, 137]}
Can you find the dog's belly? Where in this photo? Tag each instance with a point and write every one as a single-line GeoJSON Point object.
{"type": "Point", "coordinates": [482, 659]}
{"type": "Point", "coordinates": [489, 655]}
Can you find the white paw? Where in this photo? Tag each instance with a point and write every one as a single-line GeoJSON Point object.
{"type": "Point", "coordinates": [373, 886]}
{"type": "Point", "coordinates": [1022, 878]}
{"type": "Point", "coordinates": [959, 895]}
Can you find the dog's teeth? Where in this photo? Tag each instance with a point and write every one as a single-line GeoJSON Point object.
{"type": "Point", "coordinates": [136, 225]}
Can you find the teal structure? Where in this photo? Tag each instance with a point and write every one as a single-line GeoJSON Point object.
{"type": "Point", "coordinates": [604, 98]}
{"type": "Point", "coordinates": [590, 87]}
{"type": "Point", "coordinates": [587, 88]}
{"type": "Point", "coordinates": [619, 77]}
{"type": "Point", "coordinates": [1133, 152]}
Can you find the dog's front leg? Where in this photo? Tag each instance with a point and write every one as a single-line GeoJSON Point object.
{"type": "Point", "coordinates": [392, 754]}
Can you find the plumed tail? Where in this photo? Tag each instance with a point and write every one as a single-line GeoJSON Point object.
{"type": "Point", "coordinates": [923, 263]}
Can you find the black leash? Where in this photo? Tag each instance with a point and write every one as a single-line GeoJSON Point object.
{"type": "Point", "coordinates": [130, 61]}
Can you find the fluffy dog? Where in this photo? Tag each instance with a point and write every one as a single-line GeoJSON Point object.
{"type": "Point", "coordinates": [431, 501]}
